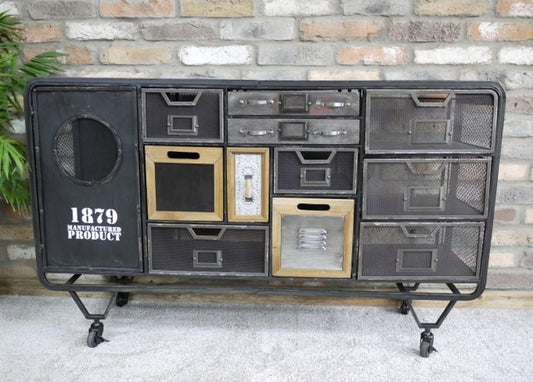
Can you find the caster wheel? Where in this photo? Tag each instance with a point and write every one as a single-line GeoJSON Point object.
{"type": "Point", "coordinates": [426, 344]}
{"type": "Point", "coordinates": [404, 308]}
{"type": "Point", "coordinates": [92, 340]}
{"type": "Point", "coordinates": [425, 349]}
{"type": "Point", "coordinates": [98, 327]}
{"type": "Point", "coordinates": [122, 298]}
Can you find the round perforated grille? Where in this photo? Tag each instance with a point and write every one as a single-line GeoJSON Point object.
{"type": "Point", "coordinates": [87, 150]}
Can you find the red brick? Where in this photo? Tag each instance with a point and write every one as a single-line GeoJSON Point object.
{"type": "Point", "coordinates": [372, 55]}
{"type": "Point", "coordinates": [516, 8]}
{"type": "Point", "coordinates": [41, 33]}
{"type": "Point", "coordinates": [499, 31]}
{"type": "Point", "coordinates": [146, 8]}
{"type": "Point", "coordinates": [336, 30]}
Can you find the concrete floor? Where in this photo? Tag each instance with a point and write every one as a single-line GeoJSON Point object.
{"type": "Point", "coordinates": [44, 339]}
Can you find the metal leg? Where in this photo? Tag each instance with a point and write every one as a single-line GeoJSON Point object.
{"type": "Point", "coordinates": [96, 329]}
{"type": "Point", "coordinates": [405, 307]}
{"type": "Point", "coordinates": [427, 337]}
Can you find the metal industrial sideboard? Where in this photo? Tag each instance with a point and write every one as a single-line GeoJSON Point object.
{"type": "Point", "coordinates": [341, 189]}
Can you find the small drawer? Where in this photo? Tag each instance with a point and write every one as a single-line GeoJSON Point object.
{"type": "Point", "coordinates": [435, 121]}
{"type": "Point", "coordinates": [184, 183]}
{"type": "Point", "coordinates": [321, 103]}
{"type": "Point", "coordinates": [414, 251]}
{"type": "Point", "coordinates": [426, 188]}
{"type": "Point", "coordinates": [207, 249]}
{"type": "Point", "coordinates": [293, 131]}
{"type": "Point", "coordinates": [312, 237]}
{"type": "Point", "coordinates": [183, 115]}
{"type": "Point", "coordinates": [315, 171]}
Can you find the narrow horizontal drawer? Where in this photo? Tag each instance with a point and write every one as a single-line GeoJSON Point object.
{"type": "Point", "coordinates": [183, 115]}
{"type": "Point", "coordinates": [208, 249]}
{"type": "Point", "coordinates": [308, 131]}
{"type": "Point", "coordinates": [426, 188]}
{"type": "Point", "coordinates": [321, 103]}
{"type": "Point", "coordinates": [414, 251]}
{"type": "Point", "coordinates": [438, 121]}
{"type": "Point", "coordinates": [315, 170]}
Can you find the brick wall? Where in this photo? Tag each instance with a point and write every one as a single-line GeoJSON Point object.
{"type": "Point", "coordinates": [307, 39]}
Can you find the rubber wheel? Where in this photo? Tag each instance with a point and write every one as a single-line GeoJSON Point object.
{"type": "Point", "coordinates": [425, 348]}
{"type": "Point", "coordinates": [122, 298]}
{"type": "Point", "coordinates": [91, 339]}
{"type": "Point", "coordinates": [404, 308]}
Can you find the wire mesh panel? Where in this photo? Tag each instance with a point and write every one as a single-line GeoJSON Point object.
{"type": "Point", "coordinates": [414, 251]}
{"type": "Point", "coordinates": [222, 250]}
{"type": "Point", "coordinates": [183, 115]}
{"type": "Point", "coordinates": [425, 188]}
{"type": "Point", "coordinates": [430, 121]}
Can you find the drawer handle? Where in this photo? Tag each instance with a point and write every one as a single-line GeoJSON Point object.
{"type": "Point", "coordinates": [257, 102]}
{"type": "Point", "coordinates": [333, 104]}
{"type": "Point", "coordinates": [313, 207]}
{"type": "Point", "coordinates": [206, 233]}
{"type": "Point", "coordinates": [183, 155]}
{"type": "Point", "coordinates": [248, 189]}
{"type": "Point", "coordinates": [329, 133]}
{"type": "Point", "coordinates": [257, 133]}
{"type": "Point", "coordinates": [182, 97]}
{"type": "Point", "coordinates": [431, 100]}
{"type": "Point", "coordinates": [418, 232]}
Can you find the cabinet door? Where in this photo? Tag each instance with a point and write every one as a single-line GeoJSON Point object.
{"type": "Point", "coordinates": [88, 178]}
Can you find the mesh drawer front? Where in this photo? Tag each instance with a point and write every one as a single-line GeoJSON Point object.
{"type": "Point", "coordinates": [436, 121]}
{"type": "Point", "coordinates": [180, 249]}
{"type": "Point", "coordinates": [434, 188]}
{"type": "Point", "coordinates": [415, 251]}
{"type": "Point", "coordinates": [315, 170]}
{"type": "Point", "coordinates": [183, 115]}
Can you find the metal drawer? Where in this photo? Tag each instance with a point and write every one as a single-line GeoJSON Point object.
{"type": "Point", "coordinates": [312, 237]}
{"type": "Point", "coordinates": [207, 249]}
{"type": "Point", "coordinates": [307, 131]}
{"type": "Point", "coordinates": [414, 251]}
{"type": "Point", "coordinates": [430, 121]}
{"type": "Point", "coordinates": [426, 188]}
{"type": "Point", "coordinates": [315, 171]}
{"type": "Point", "coordinates": [183, 115]}
{"type": "Point", "coordinates": [320, 103]}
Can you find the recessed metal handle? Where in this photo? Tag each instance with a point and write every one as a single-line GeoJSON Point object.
{"type": "Point", "coordinates": [256, 133]}
{"type": "Point", "coordinates": [431, 100]}
{"type": "Point", "coordinates": [257, 102]}
{"type": "Point", "coordinates": [331, 104]}
{"type": "Point", "coordinates": [329, 133]}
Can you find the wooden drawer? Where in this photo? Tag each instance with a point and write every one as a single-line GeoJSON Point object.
{"type": "Point", "coordinates": [184, 183]}
{"type": "Point", "coordinates": [312, 237]}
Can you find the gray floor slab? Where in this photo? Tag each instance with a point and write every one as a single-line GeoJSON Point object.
{"type": "Point", "coordinates": [43, 339]}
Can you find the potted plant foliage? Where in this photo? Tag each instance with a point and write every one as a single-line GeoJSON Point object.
{"type": "Point", "coordinates": [14, 74]}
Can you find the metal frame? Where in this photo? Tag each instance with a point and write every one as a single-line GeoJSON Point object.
{"type": "Point", "coordinates": [262, 285]}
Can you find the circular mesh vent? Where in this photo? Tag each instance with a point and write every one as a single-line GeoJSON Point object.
{"type": "Point", "coordinates": [87, 150]}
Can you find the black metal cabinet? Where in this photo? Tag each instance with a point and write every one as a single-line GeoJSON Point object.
{"type": "Point", "coordinates": [306, 188]}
